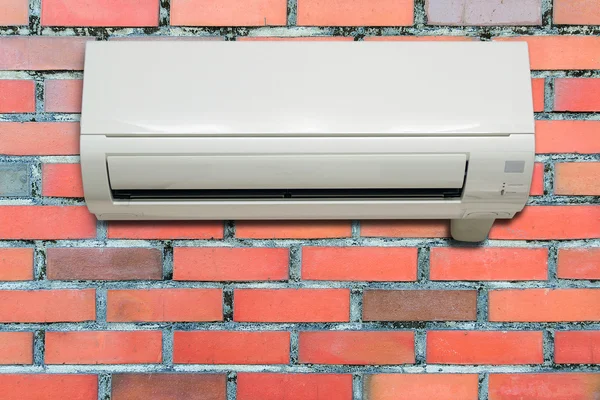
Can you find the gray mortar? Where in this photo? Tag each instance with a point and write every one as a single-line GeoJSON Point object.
{"type": "Point", "coordinates": [357, 288]}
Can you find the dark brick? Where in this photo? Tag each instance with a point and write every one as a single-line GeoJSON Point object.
{"type": "Point", "coordinates": [420, 305]}
{"type": "Point", "coordinates": [168, 387]}
{"type": "Point", "coordinates": [14, 180]}
{"type": "Point", "coordinates": [104, 264]}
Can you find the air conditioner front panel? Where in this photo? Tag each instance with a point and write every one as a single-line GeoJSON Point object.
{"type": "Point", "coordinates": [287, 171]}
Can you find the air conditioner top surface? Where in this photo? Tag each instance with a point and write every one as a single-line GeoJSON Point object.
{"type": "Point", "coordinates": [306, 88]}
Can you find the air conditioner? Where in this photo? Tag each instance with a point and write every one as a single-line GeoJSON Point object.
{"type": "Point", "coordinates": [308, 130]}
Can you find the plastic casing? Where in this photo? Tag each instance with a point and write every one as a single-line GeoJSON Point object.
{"type": "Point", "coordinates": [255, 115]}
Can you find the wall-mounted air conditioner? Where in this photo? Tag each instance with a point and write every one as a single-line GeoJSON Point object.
{"type": "Point", "coordinates": [308, 130]}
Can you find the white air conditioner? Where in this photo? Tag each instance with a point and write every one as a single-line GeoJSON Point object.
{"type": "Point", "coordinates": [308, 130]}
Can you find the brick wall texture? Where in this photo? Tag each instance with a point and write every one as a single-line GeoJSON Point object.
{"type": "Point", "coordinates": [311, 310]}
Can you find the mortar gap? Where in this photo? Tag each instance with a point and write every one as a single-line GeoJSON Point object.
{"type": "Point", "coordinates": [231, 385]}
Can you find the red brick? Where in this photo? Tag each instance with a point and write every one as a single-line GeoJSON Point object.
{"type": "Point", "coordinates": [292, 230]}
{"type": "Point", "coordinates": [419, 305]}
{"type": "Point", "coordinates": [16, 347]}
{"type": "Point", "coordinates": [48, 387]}
{"type": "Point", "coordinates": [42, 53]}
{"type": "Point", "coordinates": [561, 52]}
{"type": "Point", "coordinates": [355, 12]}
{"type": "Point", "coordinates": [154, 305]}
{"type": "Point", "coordinates": [359, 263]}
{"type": "Point", "coordinates": [544, 305]}
{"type": "Point", "coordinates": [14, 12]}
{"type": "Point", "coordinates": [421, 387]}
{"type": "Point", "coordinates": [488, 264]}
{"type": "Point", "coordinates": [16, 264]}
{"type": "Point", "coordinates": [296, 39]}
{"type": "Point", "coordinates": [408, 38]}
{"type": "Point", "coordinates": [548, 386]}
{"type": "Point", "coordinates": [100, 13]}
{"type": "Point", "coordinates": [577, 178]}
{"type": "Point", "coordinates": [103, 347]}
{"type": "Point", "coordinates": [489, 347]}
{"type": "Point", "coordinates": [63, 95]}
{"type": "Point", "coordinates": [17, 96]}
{"type": "Point", "coordinates": [230, 264]}
{"type": "Point", "coordinates": [406, 228]}
{"type": "Point", "coordinates": [347, 347]}
{"type": "Point", "coordinates": [291, 305]}
{"type": "Point", "coordinates": [228, 12]}
{"type": "Point", "coordinates": [46, 222]}
{"type": "Point", "coordinates": [582, 263]}
{"type": "Point", "coordinates": [576, 12]}
{"type": "Point", "coordinates": [47, 305]}
{"type": "Point", "coordinates": [567, 137]}
{"type": "Point", "coordinates": [103, 263]}
{"type": "Point", "coordinates": [537, 89]}
{"type": "Point", "coordinates": [39, 138]}
{"type": "Point", "coordinates": [537, 182]}
{"type": "Point", "coordinates": [577, 347]}
{"type": "Point", "coordinates": [155, 38]}
{"type": "Point", "coordinates": [576, 94]}
{"type": "Point", "coordinates": [62, 180]}
{"type": "Point", "coordinates": [540, 222]}
{"type": "Point", "coordinates": [165, 229]}
{"type": "Point", "coordinates": [169, 387]}
{"type": "Point", "coordinates": [229, 347]}
{"type": "Point", "coordinates": [266, 386]}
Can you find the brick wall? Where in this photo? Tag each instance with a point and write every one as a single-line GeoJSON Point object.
{"type": "Point", "coordinates": [295, 310]}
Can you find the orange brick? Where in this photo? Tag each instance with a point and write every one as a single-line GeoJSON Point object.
{"type": "Point", "coordinates": [48, 387]}
{"type": "Point", "coordinates": [540, 222]}
{"type": "Point", "coordinates": [230, 264]}
{"type": "Point", "coordinates": [266, 386]}
{"type": "Point", "coordinates": [577, 347]}
{"type": "Point", "coordinates": [567, 137]}
{"type": "Point", "coordinates": [292, 229]}
{"type": "Point", "coordinates": [63, 95]}
{"type": "Point", "coordinates": [296, 39]}
{"type": "Point", "coordinates": [359, 263]}
{"type": "Point", "coordinates": [357, 348]}
{"type": "Point", "coordinates": [489, 347]}
{"type": "Point", "coordinates": [579, 263]}
{"type": "Point", "coordinates": [355, 12]}
{"type": "Point", "coordinates": [488, 264]}
{"type": "Point", "coordinates": [409, 38]}
{"type": "Point", "coordinates": [39, 138]}
{"type": "Point", "coordinates": [17, 96]}
{"type": "Point", "coordinates": [548, 386]}
{"type": "Point", "coordinates": [16, 264]}
{"type": "Point", "coordinates": [577, 94]}
{"type": "Point", "coordinates": [229, 347]}
{"type": "Point", "coordinates": [62, 180]}
{"type": "Point", "coordinates": [14, 12]}
{"type": "Point", "coordinates": [103, 347]}
{"type": "Point", "coordinates": [544, 305]}
{"type": "Point", "coordinates": [129, 13]}
{"type": "Point", "coordinates": [561, 52]}
{"type": "Point", "coordinates": [228, 12]}
{"type": "Point", "coordinates": [576, 12]}
{"type": "Point", "coordinates": [16, 348]}
{"type": "Point", "coordinates": [421, 387]}
{"type": "Point", "coordinates": [406, 228]}
{"type": "Point", "coordinates": [169, 386]}
{"type": "Point", "coordinates": [47, 305]}
{"type": "Point", "coordinates": [537, 182]}
{"type": "Point", "coordinates": [165, 229]}
{"type": "Point", "coordinates": [291, 305]}
{"type": "Point", "coordinates": [537, 89]}
{"type": "Point", "coordinates": [578, 178]}
{"type": "Point", "coordinates": [42, 53]}
{"type": "Point", "coordinates": [46, 222]}
{"type": "Point", "coordinates": [154, 305]}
